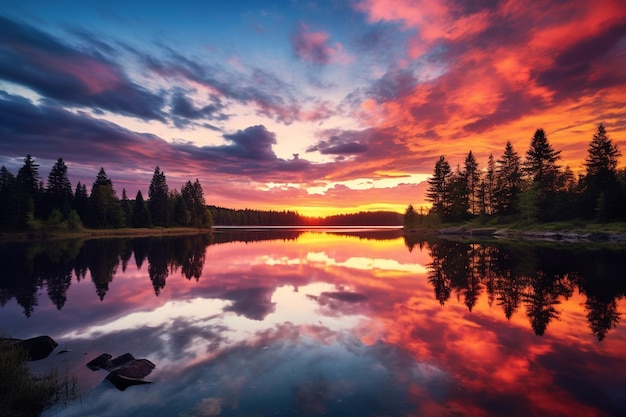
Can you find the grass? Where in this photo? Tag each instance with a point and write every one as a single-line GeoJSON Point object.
{"type": "Point", "coordinates": [23, 394]}
{"type": "Point", "coordinates": [85, 233]}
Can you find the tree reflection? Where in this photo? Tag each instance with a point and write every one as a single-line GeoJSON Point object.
{"type": "Point", "coordinates": [534, 277]}
{"type": "Point", "coordinates": [27, 267]}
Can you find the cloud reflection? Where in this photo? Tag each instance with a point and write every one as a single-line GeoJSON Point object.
{"type": "Point", "coordinates": [336, 324]}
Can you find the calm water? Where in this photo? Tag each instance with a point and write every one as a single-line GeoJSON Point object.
{"type": "Point", "coordinates": [335, 323]}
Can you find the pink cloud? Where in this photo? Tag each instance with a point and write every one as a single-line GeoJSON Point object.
{"type": "Point", "coordinates": [315, 47]}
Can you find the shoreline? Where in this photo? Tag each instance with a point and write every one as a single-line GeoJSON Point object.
{"type": "Point", "coordinates": [102, 233]}
{"type": "Point", "coordinates": [547, 235]}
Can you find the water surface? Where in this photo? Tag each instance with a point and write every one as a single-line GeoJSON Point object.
{"type": "Point", "coordinates": [328, 322]}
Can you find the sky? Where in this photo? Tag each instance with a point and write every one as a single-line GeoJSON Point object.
{"type": "Point", "coordinates": [321, 107]}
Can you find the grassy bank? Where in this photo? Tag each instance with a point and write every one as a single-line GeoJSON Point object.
{"type": "Point", "coordinates": [101, 233]}
{"type": "Point", "coordinates": [23, 394]}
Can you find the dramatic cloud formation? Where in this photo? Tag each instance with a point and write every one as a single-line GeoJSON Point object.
{"type": "Point", "coordinates": [359, 91]}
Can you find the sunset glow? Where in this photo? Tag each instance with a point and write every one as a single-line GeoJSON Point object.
{"type": "Point", "coordinates": [322, 107]}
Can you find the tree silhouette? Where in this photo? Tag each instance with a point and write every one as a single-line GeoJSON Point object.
{"type": "Point", "coordinates": [540, 164]}
{"type": "Point", "coordinates": [141, 214]}
{"type": "Point", "coordinates": [59, 189]}
{"type": "Point", "coordinates": [438, 187]}
{"type": "Point", "coordinates": [508, 180]}
{"type": "Point", "coordinates": [158, 194]}
{"type": "Point", "coordinates": [601, 180]}
{"type": "Point", "coordinates": [105, 208]}
{"type": "Point", "coordinates": [471, 175]}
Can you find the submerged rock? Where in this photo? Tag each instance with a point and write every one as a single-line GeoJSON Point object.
{"type": "Point", "coordinates": [101, 362]}
{"type": "Point", "coordinates": [131, 373]}
{"type": "Point", "coordinates": [125, 370]}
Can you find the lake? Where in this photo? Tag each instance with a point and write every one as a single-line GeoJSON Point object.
{"type": "Point", "coordinates": [334, 322]}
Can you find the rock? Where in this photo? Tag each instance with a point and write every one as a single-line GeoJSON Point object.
{"type": "Point", "coordinates": [101, 362]}
{"type": "Point", "coordinates": [121, 360]}
{"type": "Point", "coordinates": [125, 369]}
{"type": "Point", "coordinates": [36, 348]}
{"type": "Point", "coordinates": [131, 373]}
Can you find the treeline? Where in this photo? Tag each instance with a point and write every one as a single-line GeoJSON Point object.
{"type": "Point", "coordinates": [29, 205]}
{"type": "Point", "coordinates": [248, 217]}
{"type": "Point", "coordinates": [535, 189]}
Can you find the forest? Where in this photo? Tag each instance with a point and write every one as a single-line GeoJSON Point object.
{"type": "Point", "coordinates": [248, 217]}
{"type": "Point", "coordinates": [28, 205]}
{"type": "Point", "coordinates": [530, 190]}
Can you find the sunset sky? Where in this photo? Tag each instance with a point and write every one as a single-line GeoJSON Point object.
{"type": "Point", "coordinates": [317, 106]}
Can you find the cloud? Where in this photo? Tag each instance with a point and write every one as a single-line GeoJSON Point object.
{"type": "Point", "coordinates": [482, 75]}
{"type": "Point", "coordinates": [253, 303]}
{"type": "Point", "coordinates": [63, 73]}
{"type": "Point", "coordinates": [342, 143]}
{"type": "Point", "coordinates": [271, 96]}
{"type": "Point", "coordinates": [315, 47]}
{"type": "Point", "coordinates": [254, 142]}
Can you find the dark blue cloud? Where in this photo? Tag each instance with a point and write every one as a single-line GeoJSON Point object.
{"type": "Point", "coordinates": [272, 97]}
{"type": "Point", "coordinates": [343, 143]}
{"type": "Point", "coordinates": [70, 76]}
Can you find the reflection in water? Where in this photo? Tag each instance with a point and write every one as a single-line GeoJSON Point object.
{"type": "Point", "coordinates": [332, 322]}
{"type": "Point", "coordinates": [536, 277]}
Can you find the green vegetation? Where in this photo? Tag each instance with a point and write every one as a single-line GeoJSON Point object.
{"type": "Point", "coordinates": [23, 394]}
{"type": "Point", "coordinates": [28, 206]}
{"type": "Point", "coordinates": [535, 193]}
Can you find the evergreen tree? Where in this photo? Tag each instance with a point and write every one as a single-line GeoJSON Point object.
{"type": "Point", "coordinates": [59, 189]}
{"type": "Point", "coordinates": [540, 164]}
{"type": "Point", "coordinates": [458, 197]}
{"type": "Point", "coordinates": [472, 182]}
{"type": "Point", "coordinates": [193, 197]}
{"type": "Point", "coordinates": [438, 192]}
{"type": "Point", "coordinates": [488, 201]}
{"type": "Point", "coordinates": [105, 208]}
{"type": "Point", "coordinates": [9, 208]}
{"type": "Point", "coordinates": [158, 195]}
{"type": "Point", "coordinates": [410, 217]}
{"type": "Point", "coordinates": [601, 174]}
{"type": "Point", "coordinates": [28, 176]}
{"type": "Point", "coordinates": [141, 214]}
{"type": "Point", "coordinates": [6, 179]}
{"type": "Point", "coordinates": [508, 181]}
{"type": "Point", "coordinates": [81, 202]}
{"type": "Point", "coordinates": [27, 193]}
{"type": "Point", "coordinates": [178, 210]}
{"type": "Point", "coordinates": [127, 209]}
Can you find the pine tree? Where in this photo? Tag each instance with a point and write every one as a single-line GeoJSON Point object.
{"type": "Point", "coordinates": [141, 214]}
{"type": "Point", "coordinates": [28, 176]}
{"type": "Point", "coordinates": [601, 177]}
{"type": "Point", "coordinates": [438, 187]}
{"type": "Point", "coordinates": [59, 189]}
{"type": "Point", "coordinates": [472, 182]}
{"type": "Point", "coordinates": [127, 209]}
{"type": "Point", "coordinates": [81, 202]}
{"type": "Point", "coordinates": [508, 180]}
{"type": "Point", "coordinates": [488, 201]}
{"type": "Point", "coordinates": [158, 195]}
{"type": "Point", "coordinates": [540, 164]}
{"type": "Point", "coordinates": [104, 204]}
{"type": "Point", "coordinates": [193, 197]}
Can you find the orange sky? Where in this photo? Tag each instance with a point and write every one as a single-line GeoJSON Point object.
{"type": "Point", "coordinates": [321, 108]}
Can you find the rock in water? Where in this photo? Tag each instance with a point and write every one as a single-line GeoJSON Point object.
{"type": "Point", "coordinates": [36, 348]}
{"type": "Point", "coordinates": [131, 373]}
{"type": "Point", "coordinates": [101, 362]}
